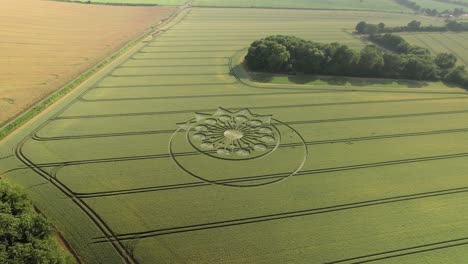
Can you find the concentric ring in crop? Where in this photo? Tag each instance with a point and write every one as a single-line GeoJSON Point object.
{"type": "Point", "coordinates": [238, 148]}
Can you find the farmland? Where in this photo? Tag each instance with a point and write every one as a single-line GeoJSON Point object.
{"type": "Point", "coordinates": [439, 6]}
{"type": "Point", "coordinates": [442, 42]}
{"type": "Point", "coordinates": [134, 2]}
{"type": "Point", "coordinates": [40, 54]}
{"type": "Point", "coordinates": [382, 5]}
{"type": "Point", "coordinates": [346, 173]}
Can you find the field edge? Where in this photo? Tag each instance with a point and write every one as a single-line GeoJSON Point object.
{"type": "Point", "coordinates": [23, 117]}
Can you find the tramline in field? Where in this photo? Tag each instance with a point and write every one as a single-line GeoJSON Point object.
{"type": "Point", "coordinates": [173, 155]}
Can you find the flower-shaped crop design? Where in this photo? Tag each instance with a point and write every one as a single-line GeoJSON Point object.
{"type": "Point", "coordinates": [233, 135]}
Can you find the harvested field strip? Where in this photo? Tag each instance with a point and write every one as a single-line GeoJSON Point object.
{"type": "Point", "coordinates": [48, 36]}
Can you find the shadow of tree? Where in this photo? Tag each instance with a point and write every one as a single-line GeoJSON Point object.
{"type": "Point", "coordinates": [352, 81]}
{"type": "Point", "coordinates": [261, 77]}
{"type": "Point", "coordinates": [240, 71]}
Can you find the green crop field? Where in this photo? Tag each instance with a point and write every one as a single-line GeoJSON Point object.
{"type": "Point", "coordinates": [383, 5]}
{"type": "Point", "coordinates": [135, 2]}
{"type": "Point", "coordinates": [454, 43]}
{"type": "Point", "coordinates": [439, 6]}
{"type": "Point", "coordinates": [172, 155]}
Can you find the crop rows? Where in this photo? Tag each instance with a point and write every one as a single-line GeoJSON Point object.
{"type": "Point", "coordinates": [107, 150]}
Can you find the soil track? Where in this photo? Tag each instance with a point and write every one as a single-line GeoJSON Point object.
{"type": "Point", "coordinates": [46, 44]}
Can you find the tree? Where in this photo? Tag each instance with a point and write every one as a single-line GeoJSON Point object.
{"type": "Point", "coordinates": [309, 59]}
{"type": "Point", "coordinates": [381, 26]}
{"type": "Point", "coordinates": [419, 51]}
{"type": "Point", "coordinates": [392, 65]}
{"type": "Point", "coordinates": [445, 61]}
{"type": "Point", "coordinates": [340, 59]}
{"type": "Point", "coordinates": [414, 25]}
{"type": "Point", "coordinates": [25, 236]}
{"type": "Point", "coordinates": [371, 61]}
{"type": "Point", "coordinates": [458, 12]}
{"type": "Point", "coordinates": [458, 76]}
{"type": "Point", "coordinates": [278, 58]}
{"type": "Point", "coordinates": [283, 53]}
{"type": "Point", "coordinates": [361, 27]}
{"type": "Point", "coordinates": [372, 29]}
{"type": "Point", "coordinates": [392, 42]}
{"type": "Point", "coordinates": [419, 68]}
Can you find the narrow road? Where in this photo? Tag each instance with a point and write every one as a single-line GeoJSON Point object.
{"type": "Point", "coordinates": [186, 5]}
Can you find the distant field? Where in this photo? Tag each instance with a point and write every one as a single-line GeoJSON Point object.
{"type": "Point", "coordinates": [454, 43]}
{"type": "Point", "coordinates": [45, 44]}
{"type": "Point", "coordinates": [439, 6]}
{"type": "Point", "coordinates": [136, 2]}
{"type": "Point", "coordinates": [327, 172]}
{"type": "Point", "coordinates": [384, 5]}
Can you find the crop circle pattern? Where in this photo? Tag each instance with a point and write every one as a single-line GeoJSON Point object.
{"type": "Point", "coordinates": [237, 148]}
{"type": "Point", "coordinates": [233, 135]}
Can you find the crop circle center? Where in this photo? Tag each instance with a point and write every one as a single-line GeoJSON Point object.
{"type": "Point", "coordinates": [233, 134]}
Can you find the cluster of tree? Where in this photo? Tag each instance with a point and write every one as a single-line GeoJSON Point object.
{"type": "Point", "coordinates": [398, 44]}
{"type": "Point", "coordinates": [455, 2]}
{"type": "Point", "coordinates": [286, 54]}
{"type": "Point", "coordinates": [431, 12]}
{"type": "Point", "coordinates": [25, 236]}
{"type": "Point", "coordinates": [445, 62]}
{"type": "Point", "coordinates": [413, 26]}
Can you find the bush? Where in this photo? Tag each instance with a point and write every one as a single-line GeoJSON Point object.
{"type": "Point", "coordinates": [25, 236]}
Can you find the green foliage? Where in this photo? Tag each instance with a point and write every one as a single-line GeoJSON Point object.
{"type": "Point", "coordinates": [431, 9]}
{"type": "Point", "coordinates": [391, 42]}
{"type": "Point", "coordinates": [445, 60]}
{"type": "Point", "coordinates": [419, 68]}
{"type": "Point", "coordinates": [371, 61]}
{"type": "Point", "coordinates": [340, 59]}
{"type": "Point", "coordinates": [287, 53]}
{"type": "Point", "coordinates": [458, 75]}
{"type": "Point", "coordinates": [25, 236]}
{"type": "Point", "coordinates": [270, 55]}
{"type": "Point", "coordinates": [413, 26]}
{"type": "Point", "coordinates": [361, 27]}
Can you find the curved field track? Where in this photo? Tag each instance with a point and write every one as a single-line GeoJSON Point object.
{"type": "Point", "coordinates": [348, 173]}
{"type": "Point", "coordinates": [45, 44]}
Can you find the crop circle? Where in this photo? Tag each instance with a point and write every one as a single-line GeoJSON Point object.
{"type": "Point", "coordinates": [233, 135]}
{"type": "Point", "coordinates": [238, 149]}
